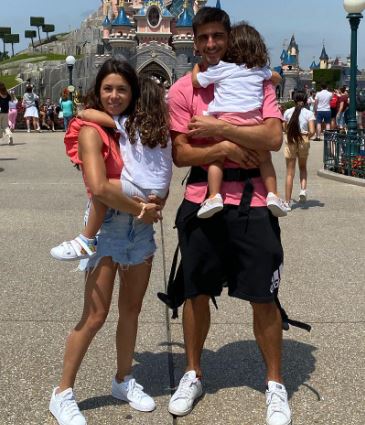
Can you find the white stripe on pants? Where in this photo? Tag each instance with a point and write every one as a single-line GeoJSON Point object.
{"type": "Point", "coordinates": [4, 126]}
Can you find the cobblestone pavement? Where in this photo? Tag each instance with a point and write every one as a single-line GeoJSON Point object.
{"type": "Point", "coordinates": [42, 201]}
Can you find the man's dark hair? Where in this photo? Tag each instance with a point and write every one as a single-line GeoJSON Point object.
{"type": "Point", "coordinates": [208, 15]}
{"type": "Point", "coordinates": [324, 86]}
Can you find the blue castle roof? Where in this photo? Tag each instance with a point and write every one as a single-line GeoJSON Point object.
{"type": "Point", "coordinates": [122, 19]}
{"type": "Point", "coordinates": [106, 23]}
{"type": "Point", "coordinates": [284, 55]}
{"type": "Point", "coordinates": [184, 20]}
{"type": "Point", "coordinates": [324, 55]}
{"type": "Point", "coordinates": [314, 65]}
{"type": "Point", "coordinates": [218, 5]}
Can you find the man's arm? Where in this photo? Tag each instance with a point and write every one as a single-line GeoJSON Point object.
{"type": "Point", "coordinates": [184, 154]}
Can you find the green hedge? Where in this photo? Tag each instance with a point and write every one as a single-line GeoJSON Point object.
{"type": "Point", "coordinates": [330, 77]}
{"type": "Point", "coordinates": [9, 81]}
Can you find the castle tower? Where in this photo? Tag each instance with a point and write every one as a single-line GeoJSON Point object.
{"type": "Point", "coordinates": [183, 42]}
{"type": "Point", "coordinates": [323, 59]}
{"type": "Point", "coordinates": [122, 38]}
{"type": "Point", "coordinates": [106, 22]}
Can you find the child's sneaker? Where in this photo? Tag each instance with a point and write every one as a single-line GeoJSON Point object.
{"type": "Point", "coordinates": [76, 249]}
{"type": "Point", "coordinates": [276, 205]}
{"type": "Point", "coordinates": [211, 206]}
{"type": "Point", "coordinates": [302, 196]}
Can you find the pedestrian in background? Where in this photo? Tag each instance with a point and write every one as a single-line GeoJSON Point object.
{"type": "Point", "coordinates": [67, 109]}
{"type": "Point", "coordinates": [13, 110]}
{"type": "Point", "coordinates": [30, 100]}
{"type": "Point", "coordinates": [299, 125]}
{"type": "Point", "coordinates": [343, 103]}
{"type": "Point", "coordinates": [322, 109]}
{"type": "Point", "coordinates": [4, 110]}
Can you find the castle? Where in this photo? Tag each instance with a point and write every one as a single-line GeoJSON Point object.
{"type": "Point", "coordinates": [155, 36]}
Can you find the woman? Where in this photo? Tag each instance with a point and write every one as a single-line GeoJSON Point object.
{"type": "Point", "coordinates": [67, 106]}
{"type": "Point", "coordinates": [30, 103]}
{"type": "Point", "coordinates": [299, 125]}
{"type": "Point", "coordinates": [13, 110]}
{"type": "Point", "coordinates": [115, 92]}
{"type": "Point", "coordinates": [4, 111]}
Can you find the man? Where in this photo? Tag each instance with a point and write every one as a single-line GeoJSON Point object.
{"type": "Point", "coordinates": [241, 245]}
{"type": "Point", "coordinates": [322, 110]}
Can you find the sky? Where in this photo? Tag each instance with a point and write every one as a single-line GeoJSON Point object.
{"type": "Point", "coordinates": [311, 21]}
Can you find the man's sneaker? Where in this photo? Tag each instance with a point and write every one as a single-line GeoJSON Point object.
{"type": "Point", "coordinates": [189, 389]}
{"type": "Point", "coordinates": [64, 408]}
{"type": "Point", "coordinates": [276, 205]}
{"type": "Point", "coordinates": [77, 249]}
{"type": "Point", "coordinates": [302, 196]}
{"type": "Point", "coordinates": [210, 206]}
{"type": "Point", "coordinates": [131, 392]}
{"type": "Point", "coordinates": [278, 410]}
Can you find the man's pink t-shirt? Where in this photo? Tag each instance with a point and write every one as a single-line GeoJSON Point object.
{"type": "Point", "coordinates": [185, 101]}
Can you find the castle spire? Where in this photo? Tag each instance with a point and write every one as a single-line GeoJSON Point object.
{"type": "Point", "coordinates": [218, 5]}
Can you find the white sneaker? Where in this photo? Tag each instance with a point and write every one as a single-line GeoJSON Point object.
{"type": "Point", "coordinates": [302, 196]}
{"type": "Point", "coordinates": [28, 130]}
{"type": "Point", "coordinates": [131, 392]}
{"type": "Point", "coordinates": [276, 205]}
{"type": "Point", "coordinates": [278, 410]}
{"type": "Point", "coordinates": [190, 388]}
{"type": "Point", "coordinates": [11, 140]}
{"type": "Point", "coordinates": [77, 249]}
{"type": "Point", "coordinates": [64, 408]}
{"type": "Point", "coordinates": [211, 206]}
{"type": "Point", "coordinates": [288, 205]}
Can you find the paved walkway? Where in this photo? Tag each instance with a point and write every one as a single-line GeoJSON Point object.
{"type": "Point", "coordinates": [42, 201]}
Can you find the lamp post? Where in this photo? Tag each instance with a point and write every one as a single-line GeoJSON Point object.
{"type": "Point", "coordinates": [70, 62]}
{"type": "Point", "coordinates": [354, 9]}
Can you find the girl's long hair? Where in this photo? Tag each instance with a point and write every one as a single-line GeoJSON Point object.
{"type": "Point", "coordinates": [294, 134]}
{"type": "Point", "coordinates": [150, 118]}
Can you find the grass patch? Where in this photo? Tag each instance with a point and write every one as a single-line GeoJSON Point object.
{"type": "Point", "coordinates": [24, 56]}
{"type": "Point", "coordinates": [9, 81]}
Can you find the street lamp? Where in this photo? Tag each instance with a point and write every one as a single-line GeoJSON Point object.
{"type": "Point", "coordinates": [70, 62]}
{"type": "Point", "coordinates": [354, 9]}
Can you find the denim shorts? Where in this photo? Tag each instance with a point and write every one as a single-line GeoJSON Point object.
{"type": "Point", "coordinates": [323, 116]}
{"type": "Point", "coordinates": [127, 240]}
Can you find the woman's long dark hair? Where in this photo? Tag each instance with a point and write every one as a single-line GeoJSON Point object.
{"type": "Point", "coordinates": [113, 66]}
{"type": "Point", "coordinates": [3, 89]}
{"type": "Point", "coordinates": [294, 134]}
{"type": "Point", "coordinates": [150, 117]}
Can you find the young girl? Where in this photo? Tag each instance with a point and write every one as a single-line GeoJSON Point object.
{"type": "Point", "coordinates": [4, 110]}
{"type": "Point", "coordinates": [146, 153]}
{"type": "Point", "coordinates": [13, 110]}
{"type": "Point", "coordinates": [299, 125]}
{"type": "Point", "coordinates": [238, 97]}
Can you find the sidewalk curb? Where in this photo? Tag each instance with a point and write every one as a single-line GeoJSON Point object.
{"type": "Point", "coordinates": [341, 177]}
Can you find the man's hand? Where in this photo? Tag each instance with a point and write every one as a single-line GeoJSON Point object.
{"type": "Point", "coordinates": [205, 126]}
{"type": "Point", "coordinates": [245, 158]}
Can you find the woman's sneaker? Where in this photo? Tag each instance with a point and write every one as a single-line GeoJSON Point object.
{"type": "Point", "coordinates": [76, 249]}
{"type": "Point", "coordinates": [276, 205]}
{"type": "Point", "coordinates": [190, 388]}
{"type": "Point", "coordinates": [211, 206]}
{"type": "Point", "coordinates": [132, 392]}
{"type": "Point", "coordinates": [64, 408]}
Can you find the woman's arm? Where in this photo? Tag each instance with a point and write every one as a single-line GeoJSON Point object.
{"type": "Point", "coordinates": [98, 117]}
{"type": "Point", "coordinates": [90, 146]}
{"type": "Point", "coordinates": [311, 128]}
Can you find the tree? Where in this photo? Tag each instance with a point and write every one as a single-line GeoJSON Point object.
{"type": "Point", "coordinates": [11, 39]}
{"type": "Point", "coordinates": [30, 34]}
{"type": "Point", "coordinates": [330, 77]}
{"type": "Point", "coordinates": [37, 21]}
{"type": "Point", "coordinates": [3, 31]}
{"type": "Point", "coordinates": [47, 28]}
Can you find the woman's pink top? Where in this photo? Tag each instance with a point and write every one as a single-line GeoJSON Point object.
{"type": "Point", "coordinates": [110, 150]}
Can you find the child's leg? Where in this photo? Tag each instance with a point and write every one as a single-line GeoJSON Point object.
{"type": "Point", "coordinates": [267, 171]}
{"type": "Point", "coordinates": [96, 215]}
{"type": "Point", "coordinates": [215, 178]}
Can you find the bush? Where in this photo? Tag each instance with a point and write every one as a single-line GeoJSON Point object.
{"type": "Point", "coordinates": [330, 77]}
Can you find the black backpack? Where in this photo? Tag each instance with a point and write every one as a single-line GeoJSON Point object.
{"type": "Point", "coordinates": [360, 100]}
